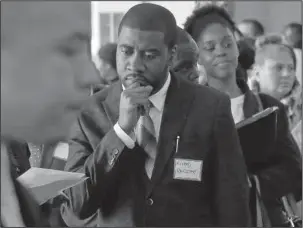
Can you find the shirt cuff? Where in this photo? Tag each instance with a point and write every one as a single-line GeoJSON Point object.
{"type": "Point", "coordinates": [128, 140]}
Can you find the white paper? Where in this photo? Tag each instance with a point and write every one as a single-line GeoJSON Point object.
{"type": "Point", "coordinates": [46, 184]}
{"type": "Point", "coordinates": [61, 151]}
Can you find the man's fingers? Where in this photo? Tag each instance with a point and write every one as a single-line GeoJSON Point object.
{"type": "Point", "coordinates": [133, 85]}
{"type": "Point", "coordinates": [139, 100]}
{"type": "Point", "coordinates": [144, 91]}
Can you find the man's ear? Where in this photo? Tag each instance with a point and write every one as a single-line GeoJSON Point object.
{"type": "Point", "coordinates": [172, 54]}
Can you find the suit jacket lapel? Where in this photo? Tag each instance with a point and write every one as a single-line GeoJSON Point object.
{"type": "Point", "coordinates": [176, 108]}
{"type": "Point", "coordinates": [112, 102]}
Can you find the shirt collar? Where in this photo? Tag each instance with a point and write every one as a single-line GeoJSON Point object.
{"type": "Point", "coordinates": [158, 99]}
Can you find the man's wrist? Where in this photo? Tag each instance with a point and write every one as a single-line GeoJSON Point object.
{"type": "Point", "coordinates": [127, 138]}
{"type": "Point", "coordinates": [125, 129]}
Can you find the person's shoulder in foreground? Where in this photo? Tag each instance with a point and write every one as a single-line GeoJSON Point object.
{"type": "Point", "coordinates": [48, 37]}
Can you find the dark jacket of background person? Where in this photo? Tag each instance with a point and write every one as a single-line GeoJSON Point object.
{"type": "Point", "coordinates": [20, 154]}
{"type": "Point", "coordinates": [280, 170]}
{"type": "Point", "coordinates": [162, 200]}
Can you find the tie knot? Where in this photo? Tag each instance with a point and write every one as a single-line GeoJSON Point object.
{"type": "Point", "coordinates": [144, 110]}
{"type": "Point", "coordinates": [149, 105]}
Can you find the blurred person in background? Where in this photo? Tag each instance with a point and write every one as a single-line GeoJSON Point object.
{"type": "Point", "coordinates": [186, 57]}
{"type": "Point", "coordinates": [275, 65]}
{"type": "Point", "coordinates": [246, 58]}
{"type": "Point", "coordinates": [251, 28]}
{"type": "Point", "coordinates": [279, 171]}
{"type": "Point", "coordinates": [46, 74]}
{"type": "Point", "coordinates": [107, 65]}
{"type": "Point", "coordinates": [292, 35]}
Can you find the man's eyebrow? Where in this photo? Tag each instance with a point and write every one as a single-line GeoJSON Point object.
{"type": "Point", "coordinates": [209, 42]}
{"type": "Point", "coordinates": [155, 50]}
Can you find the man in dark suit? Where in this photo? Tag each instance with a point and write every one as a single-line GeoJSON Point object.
{"type": "Point", "coordinates": [163, 149]}
{"type": "Point", "coordinates": [46, 74]}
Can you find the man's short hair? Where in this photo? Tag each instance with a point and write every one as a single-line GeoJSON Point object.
{"type": "Point", "coordinates": [263, 42]}
{"type": "Point", "coordinates": [258, 27]}
{"type": "Point", "coordinates": [151, 17]}
{"type": "Point", "coordinates": [296, 28]}
{"type": "Point", "coordinates": [202, 12]}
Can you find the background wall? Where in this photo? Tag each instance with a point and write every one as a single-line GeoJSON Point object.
{"type": "Point", "coordinates": [106, 15]}
{"type": "Point", "coordinates": [272, 14]}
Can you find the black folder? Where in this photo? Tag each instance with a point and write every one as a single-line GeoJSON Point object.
{"type": "Point", "coordinates": [258, 135]}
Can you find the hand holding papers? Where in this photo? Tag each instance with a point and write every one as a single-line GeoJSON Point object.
{"type": "Point", "coordinates": [46, 184]}
{"type": "Point", "coordinates": [257, 134]}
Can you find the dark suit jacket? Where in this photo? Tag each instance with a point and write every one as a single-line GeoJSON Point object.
{"type": "Point", "coordinates": [202, 117]}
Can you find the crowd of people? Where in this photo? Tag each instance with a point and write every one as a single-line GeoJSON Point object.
{"type": "Point", "coordinates": [153, 126]}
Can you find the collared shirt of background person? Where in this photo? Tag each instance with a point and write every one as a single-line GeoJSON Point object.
{"type": "Point", "coordinates": [45, 78]}
{"type": "Point", "coordinates": [186, 58]}
{"type": "Point", "coordinates": [251, 28]}
{"type": "Point", "coordinates": [292, 35]}
{"type": "Point", "coordinates": [107, 65]}
{"type": "Point", "coordinates": [280, 171]}
{"type": "Point", "coordinates": [198, 175]}
{"type": "Point", "coordinates": [274, 69]}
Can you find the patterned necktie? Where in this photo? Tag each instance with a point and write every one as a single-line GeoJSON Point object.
{"type": "Point", "coordinates": [146, 138]}
{"type": "Point", "coordinates": [36, 152]}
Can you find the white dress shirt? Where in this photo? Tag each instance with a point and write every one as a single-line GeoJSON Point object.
{"type": "Point", "coordinates": [237, 108]}
{"type": "Point", "coordinates": [158, 100]}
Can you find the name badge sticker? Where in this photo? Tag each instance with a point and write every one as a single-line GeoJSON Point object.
{"type": "Point", "coordinates": [187, 169]}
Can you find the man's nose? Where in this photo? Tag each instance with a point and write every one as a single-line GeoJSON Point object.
{"type": "Point", "coordinates": [136, 63]}
{"type": "Point", "coordinates": [286, 73]}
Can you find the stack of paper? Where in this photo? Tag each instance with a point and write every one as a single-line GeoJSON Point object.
{"type": "Point", "coordinates": [46, 184]}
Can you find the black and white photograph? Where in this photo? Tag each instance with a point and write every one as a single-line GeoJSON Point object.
{"type": "Point", "coordinates": [151, 113]}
